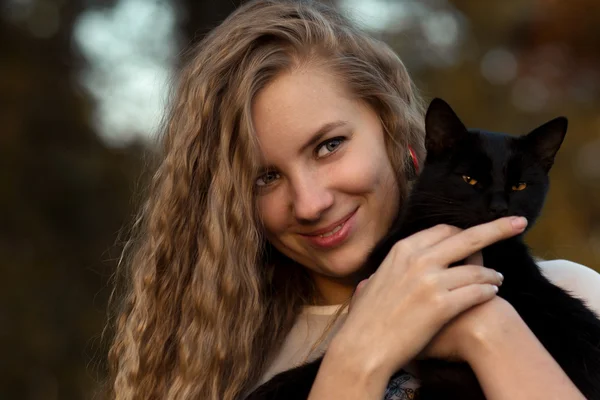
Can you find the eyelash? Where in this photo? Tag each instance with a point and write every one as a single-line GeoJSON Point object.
{"type": "Point", "coordinates": [262, 176]}
{"type": "Point", "coordinates": [339, 139]}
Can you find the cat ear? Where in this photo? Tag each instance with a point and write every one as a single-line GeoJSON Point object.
{"type": "Point", "coordinates": [443, 127]}
{"type": "Point", "coordinates": [545, 140]}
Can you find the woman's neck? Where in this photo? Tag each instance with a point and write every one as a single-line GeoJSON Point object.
{"type": "Point", "coordinates": [332, 291]}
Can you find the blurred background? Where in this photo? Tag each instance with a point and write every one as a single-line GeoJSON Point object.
{"type": "Point", "coordinates": [83, 85]}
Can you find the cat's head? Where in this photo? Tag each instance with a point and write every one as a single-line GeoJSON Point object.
{"type": "Point", "coordinates": [473, 176]}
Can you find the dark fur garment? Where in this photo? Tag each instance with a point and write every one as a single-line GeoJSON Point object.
{"type": "Point", "coordinates": [471, 177]}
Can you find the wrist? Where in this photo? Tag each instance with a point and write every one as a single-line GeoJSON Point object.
{"type": "Point", "coordinates": [345, 373]}
{"type": "Point", "coordinates": [365, 360]}
{"type": "Point", "coordinates": [510, 363]}
{"type": "Point", "coordinates": [492, 330]}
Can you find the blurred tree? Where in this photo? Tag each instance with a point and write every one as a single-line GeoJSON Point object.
{"type": "Point", "coordinates": [199, 17]}
{"type": "Point", "coordinates": [64, 197]}
{"type": "Point", "coordinates": [552, 47]}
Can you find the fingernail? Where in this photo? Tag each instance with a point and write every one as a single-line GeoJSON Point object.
{"type": "Point", "coordinates": [495, 288]}
{"type": "Point", "coordinates": [500, 276]}
{"type": "Point", "coordinates": [519, 222]}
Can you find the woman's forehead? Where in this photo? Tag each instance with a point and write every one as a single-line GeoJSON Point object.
{"type": "Point", "coordinates": [297, 105]}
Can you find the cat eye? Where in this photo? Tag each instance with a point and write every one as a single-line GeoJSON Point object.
{"type": "Point", "coordinates": [519, 186]}
{"type": "Point", "coordinates": [469, 180]}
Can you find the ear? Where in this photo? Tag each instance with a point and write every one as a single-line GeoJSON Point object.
{"type": "Point", "coordinates": [545, 141]}
{"type": "Point", "coordinates": [443, 127]}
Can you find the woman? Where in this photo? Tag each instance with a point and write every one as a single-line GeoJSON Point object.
{"type": "Point", "coordinates": [285, 155]}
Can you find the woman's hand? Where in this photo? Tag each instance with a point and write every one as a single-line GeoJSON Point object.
{"type": "Point", "coordinates": [461, 337]}
{"type": "Point", "coordinates": [414, 294]}
{"type": "Point", "coordinates": [414, 305]}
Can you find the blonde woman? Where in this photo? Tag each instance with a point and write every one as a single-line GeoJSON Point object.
{"type": "Point", "coordinates": [286, 151]}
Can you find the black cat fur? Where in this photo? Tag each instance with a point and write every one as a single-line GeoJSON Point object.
{"type": "Point", "coordinates": [562, 323]}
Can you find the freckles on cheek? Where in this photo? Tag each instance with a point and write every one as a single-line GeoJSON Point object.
{"type": "Point", "coordinates": [271, 214]}
{"type": "Point", "coordinates": [262, 207]}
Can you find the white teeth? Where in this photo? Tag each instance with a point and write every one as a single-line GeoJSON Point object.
{"type": "Point", "coordinates": [336, 229]}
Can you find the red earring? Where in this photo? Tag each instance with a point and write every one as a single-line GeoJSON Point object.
{"type": "Point", "coordinates": [413, 157]}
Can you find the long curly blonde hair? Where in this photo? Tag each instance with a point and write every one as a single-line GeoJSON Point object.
{"type": "Point", "coordinates": [205, 306]}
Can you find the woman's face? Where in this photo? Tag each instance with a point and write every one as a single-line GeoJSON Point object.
{"type": "Point", "coordinates": [328, 192]}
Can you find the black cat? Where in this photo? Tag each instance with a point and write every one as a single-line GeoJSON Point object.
{"type": "Point", "coordinates": [472, 177]}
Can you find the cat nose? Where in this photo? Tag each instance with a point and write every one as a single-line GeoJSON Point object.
{"type": "Point", "coordinates": [499, 211]}
{"type": "Point", "coordinates": [498, 206]}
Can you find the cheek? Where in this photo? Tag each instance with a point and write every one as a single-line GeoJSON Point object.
{"type": "Point", "coordinates": [271, 211]}
{"type": "Point", "coordinates": [362, 175]}
{"type": "Point", "coordinates": [527, 201]}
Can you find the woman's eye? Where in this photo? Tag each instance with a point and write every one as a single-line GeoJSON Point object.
{"type": "Point", "coordinates": [329, 146]}
{"type": "Point", "coordinates": [267, 178]}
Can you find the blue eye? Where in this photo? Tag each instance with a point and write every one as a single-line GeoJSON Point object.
{"type": "Point", "coordinates": [329, 146]}
{"type": "Point", "coordinates": [267, 178]}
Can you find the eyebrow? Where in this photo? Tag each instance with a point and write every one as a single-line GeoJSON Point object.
{"type": "Point", "coordinates": [322, 131]}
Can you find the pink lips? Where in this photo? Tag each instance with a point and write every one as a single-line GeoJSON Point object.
{"type": "Point", "coordinates": [334, 239]}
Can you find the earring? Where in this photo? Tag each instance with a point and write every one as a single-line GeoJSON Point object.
{"type": "Point", "coordinates": [414, 170]}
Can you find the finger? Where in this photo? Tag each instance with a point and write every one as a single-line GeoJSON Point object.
{"type": "Point", "coordinates": [431, 236]}
{"type": "Point", "coordinates": [475, 259]}
{"type": "Point", "coordinates": [465, 297]}
{"type": "Point", "coordinates": [465, 275]}
{"type": "Point", "coordinates": [472, 240]}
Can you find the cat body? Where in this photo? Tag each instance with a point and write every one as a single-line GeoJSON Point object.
{"type": "Point", "coordinates": [471, 177]}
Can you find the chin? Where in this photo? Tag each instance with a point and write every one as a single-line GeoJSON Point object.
{"type": "Point", "coordinates": [346, 267]}
{"type": "Point", "coordinates": [343, 271]}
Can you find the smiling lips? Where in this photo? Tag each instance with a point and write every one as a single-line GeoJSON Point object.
{"type": "Point", "coordinates": [336, 229]}
{"type": "Point", "coordinates": [333, 235]}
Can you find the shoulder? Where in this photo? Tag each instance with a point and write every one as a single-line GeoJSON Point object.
{"type": "Point", "coordinates": [579, 280]}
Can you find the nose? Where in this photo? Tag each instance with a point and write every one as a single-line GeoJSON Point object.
{"type": "Point", "coordinates": [312, 198]}
{"type": "Point", "coordinates": [498, 205]}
